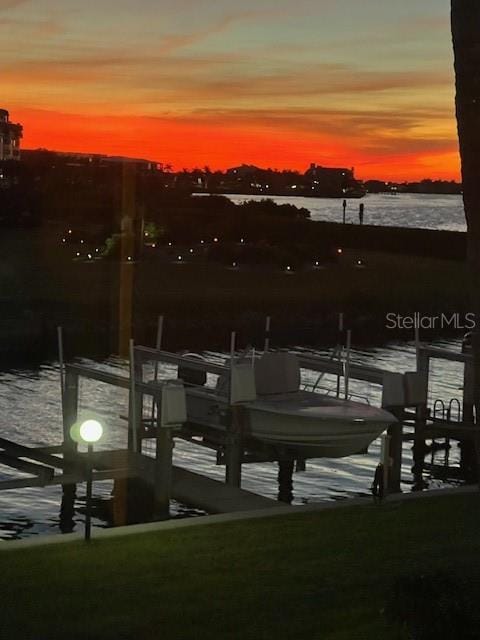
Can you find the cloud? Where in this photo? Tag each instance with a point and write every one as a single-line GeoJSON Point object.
{"type": "Point", "coordinates": [10, 4]}
{"type": "Point", "coordinates": [177, 41]}
{"type": "Point", "coordinates": [39, 28]}
{"type": "Point", "coordinates": [223, 79]}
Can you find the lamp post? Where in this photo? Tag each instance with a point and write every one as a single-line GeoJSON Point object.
{"type": "Point", "coordinates": [90, 432]}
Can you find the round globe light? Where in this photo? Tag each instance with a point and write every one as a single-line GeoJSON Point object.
{"type": "Point", "coordinates": [91, 431]}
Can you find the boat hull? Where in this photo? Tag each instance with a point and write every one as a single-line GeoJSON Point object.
{"type": "Point", "coordinates": [306, 424]}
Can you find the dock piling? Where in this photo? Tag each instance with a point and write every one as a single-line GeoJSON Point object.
{"type": "Point", "coordinates": [234, 446]}
{"type": "Point", "coordinates": [285, 480]}
{"type": "Point", "coordinates": [69, 415]}
{"type": "Point", "coordinates": [163, 467]}
{"type": "Point", "coordinates": [395, 444]}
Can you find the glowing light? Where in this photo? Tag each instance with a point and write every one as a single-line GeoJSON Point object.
{"type": "Point", "coordinates": [78, 254]}
{"type": "Point", "coordinates": [129, 258]}
{"type": "Point", "coordinates": [202, 241]}
{"type": "Point", "coordinates": [242, 240]}
{"type": "Point", "coordinates": [70, 231]}
{"type": "Point", "coordinates": [339, 251]}
{"type": "Point", "coordinates": [289, 268]}
{"type": "Point", "coordinates": [63, 240]}
{"type": "Point", "coordinates": [89, 256]}
{"type": "Point", "coordinates": [91, 431]}
{"type": "Point", "coordinates": [169, 244]}
{"type": "Point", "coordinates": [191, 250]}
{"type": "Point", "coordinates": [234, 264]}
{"type": "Point", "coordinates": [316, 263]}
{"type": "Point", "coordinates": [179, 258]}
{"type": "Point", "coordinates": [215, 239]}
{"type": "Point", "coordinates": [81, 241]}
{"type": "Point", "coordinates": [154, 246]}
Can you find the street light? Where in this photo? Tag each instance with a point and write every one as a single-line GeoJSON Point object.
{"type": "Point", "coordinates": [90, 431]}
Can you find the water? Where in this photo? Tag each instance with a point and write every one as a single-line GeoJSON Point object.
{"type": "Point", "coordinates": [30, 406]}
{"type": "Point", "coordinates": [404, 210]}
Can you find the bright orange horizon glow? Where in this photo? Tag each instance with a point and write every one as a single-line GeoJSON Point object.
{"type": "Point", "coordinates": [188, 144]}
{"type": "Point", "coordinates": [273, 83]}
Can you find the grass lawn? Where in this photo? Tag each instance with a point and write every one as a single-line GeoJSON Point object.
{"type": "Point", "coordinates": [325, 575]}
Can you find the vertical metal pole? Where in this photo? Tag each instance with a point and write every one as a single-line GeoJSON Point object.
{"type": "Point", "coordinates": [88, 503]}
{"type": "Point", "coordinates": [158, 346]}
{"type": "Point", "coordinates": [233, 438]}
{"type": "Point", "coordinates": [266, 345]}
{"type": "Point", "coordinates": [69, 417]}
{"type": "Point", "coordinates": [385, 459]}
{"type": "Point", "coordinates": [347, 363]}
{"type": "Point", "coordinates": [417, 348]}
{"type": "Point", "coordinates": [421, 415]}
{"type": "Point", "coordinates": [233, 338]}
{"type": "Point", "coordinates": [70, 410]}
{"type": "Point", "coordinates": [395, 449]}
{"type": "Point", "coordinates": [158, 342]}
{"type": "Point", "coordinates": [338, 351]}
{"type": "Point", "coordinates": [163, 467]}
{"type": "Point", "coordinates": [129, 244]}
{"type": "Point", "coordinates": [468, 417]}
{"type": "Point", "coordinates": [61, 363]}
{"type": "Point", "coordinates": [135, 402]}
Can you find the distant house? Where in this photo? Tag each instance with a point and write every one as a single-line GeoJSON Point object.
{"type": "Point", "coordinates": [333, 181]}
{"type": "Point", "coordinates": [330, 177]}
{"type": "Point", "coordinates": [10, 135]}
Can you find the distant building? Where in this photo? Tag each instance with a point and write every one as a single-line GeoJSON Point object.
{"type": "Point", "coordinates": [333, 181]}
{"type": "Point", "coordinates": [10, 135]}
{"type": "Point", "coordinates": [329, 176]}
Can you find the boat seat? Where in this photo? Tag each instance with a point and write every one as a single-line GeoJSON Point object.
{"type": "Point", "coordinates": [277, 372]}
{"type": "Point", "coordinates": [192, 377]}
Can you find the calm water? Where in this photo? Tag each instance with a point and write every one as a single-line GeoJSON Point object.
{"type": "Point", "coordinates": [30, 406]}
{"type": "Point", "coordinates": [403, 210]}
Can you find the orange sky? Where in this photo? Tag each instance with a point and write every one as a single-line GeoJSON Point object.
{"type": "Point", "coordinates": [190, 84]}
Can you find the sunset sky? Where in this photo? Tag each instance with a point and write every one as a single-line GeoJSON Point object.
{"type": "Point", "coordinates": [364, 83]}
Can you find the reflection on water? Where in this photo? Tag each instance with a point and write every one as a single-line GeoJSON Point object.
{"type": "Point", "coordinates": [31, 414]}
{"type": "Point", "coordinates": [405, 210]}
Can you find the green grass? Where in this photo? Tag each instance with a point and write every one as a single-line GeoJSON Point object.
{"type": "Point", "coordinates": [325, 575]}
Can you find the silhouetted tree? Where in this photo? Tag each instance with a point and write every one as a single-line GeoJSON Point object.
{"type": "Point", "coordinates": [465, 15]}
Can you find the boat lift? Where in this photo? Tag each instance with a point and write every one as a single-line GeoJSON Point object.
{"type": "Point", "coordinates": [403, 394]}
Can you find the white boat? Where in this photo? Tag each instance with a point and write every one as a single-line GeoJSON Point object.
{"type": "Point", "coordinates": [307, 423]}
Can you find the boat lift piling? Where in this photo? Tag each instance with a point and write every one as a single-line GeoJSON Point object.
{"type": "Point", "coordinates": [69, 447]}
{"type": "Point", "coordinates": [235, 420]}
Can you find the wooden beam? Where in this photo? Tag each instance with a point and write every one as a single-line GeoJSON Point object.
{"type": "Point", "coordinates": [154, 355]}
{"type": "Point", "coordinates": [27, 467]}
{"type": "Point", "coordinates": [32, 454]}
{"type": "Point", "coordinates": [64, 479]}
